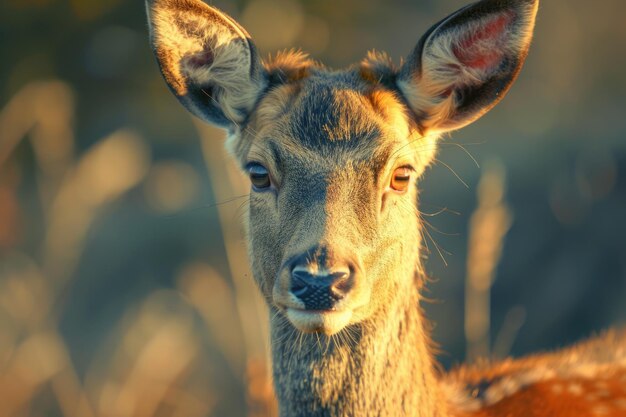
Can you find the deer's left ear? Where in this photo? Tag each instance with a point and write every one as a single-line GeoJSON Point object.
{"type": "Point", "coordinates": [466, 63]}
{"type": "Point", "coordinates": [207, 59]}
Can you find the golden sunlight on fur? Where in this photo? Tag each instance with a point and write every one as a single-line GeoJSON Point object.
{"type": "Point", "coordinates": [588, 379]}
{"type": "Point", "coordinates": [334, 230]}
{"type": "Point", "coordinates": [445, 68]}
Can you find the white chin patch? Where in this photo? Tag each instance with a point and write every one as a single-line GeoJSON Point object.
{"type": "Point", "coordinates": [327, 322]}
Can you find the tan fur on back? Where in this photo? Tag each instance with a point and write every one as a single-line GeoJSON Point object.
{"type": "Point", "coordinates": [592, 373]}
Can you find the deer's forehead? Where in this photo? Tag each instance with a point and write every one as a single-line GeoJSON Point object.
{"type": "Point", "coordinates": [331, 115]}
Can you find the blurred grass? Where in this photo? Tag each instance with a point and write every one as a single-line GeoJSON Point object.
{"type": "Point", "coordinates": [488, 225]}
{"type": "Point", "coordinates": [153, 364]}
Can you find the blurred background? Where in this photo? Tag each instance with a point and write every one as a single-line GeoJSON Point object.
{"type": "Point", "coordinates": [124, 288]}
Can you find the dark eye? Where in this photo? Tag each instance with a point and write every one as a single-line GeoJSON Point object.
{"type": "Point", "coordinates": [259, 176]}
{"type": "Point", "coordinates": [401, 179]}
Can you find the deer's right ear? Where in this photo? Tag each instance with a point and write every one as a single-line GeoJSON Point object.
{"type": "Point", "coordinates": [466, 63]}
{"type": "Point", "coordinates": [207, 59]}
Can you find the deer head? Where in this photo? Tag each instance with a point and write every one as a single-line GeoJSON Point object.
{"type": "Point", "coordinates": [334, 157]}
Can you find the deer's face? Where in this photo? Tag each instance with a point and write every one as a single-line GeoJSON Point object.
{"type": "Point", "coordinates": [333, 157]}
{"type": "Point", "coordinates": [333, 161]}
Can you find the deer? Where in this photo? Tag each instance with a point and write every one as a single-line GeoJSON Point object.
{"type": "Point", "coordinates": [334, 159]}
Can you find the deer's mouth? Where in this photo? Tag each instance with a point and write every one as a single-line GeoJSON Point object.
{"type": "Point", "coordinates": [328, 322]}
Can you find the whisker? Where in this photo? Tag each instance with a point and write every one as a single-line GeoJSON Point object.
{"type": "Point", "coordinates": [452, 171]}
{"type": "Point", "coordinates": [436, 213]}
{"type": "Point", "coordinates": [440, 211]}
{"type": "Point", "coordinates": [466, 152]}
{"type": "Point", "coordinates": [435, 229]}
{"type": "Point", "coordinates": [240, 211]}
{"type": "Point", "coordinates": [439, 249]}
{"type": "Point", "coordinates": [202, 207]}
{"type": "Point", "coordinates": [424, 231]}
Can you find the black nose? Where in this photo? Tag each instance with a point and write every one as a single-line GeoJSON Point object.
{"type": "Point", "coordinates": [320, 291]}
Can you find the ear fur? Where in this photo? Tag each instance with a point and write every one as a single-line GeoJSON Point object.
{"type": "Point", "coordinates": [466, 63]}
{"type": "Point", "coordinates": [207, 59]}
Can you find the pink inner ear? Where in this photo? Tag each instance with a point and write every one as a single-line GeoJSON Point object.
{"type": "Point", "coordinates": [201, 59]}
{"type": "Point", "coordinates": [484, 49]}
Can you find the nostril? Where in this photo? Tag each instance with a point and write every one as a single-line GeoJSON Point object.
{"type": "Point", "coordinates": [299, 286]}
{"type": "Point", "coordinates": [339, 275]}
{"type": "Point", "coordinates": [341, 285]}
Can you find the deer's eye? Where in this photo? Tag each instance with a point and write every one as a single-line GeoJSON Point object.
{"type": "Point", "coordinates": [259, 176]}
{"type": "Point", "coordinates": [401, 179]}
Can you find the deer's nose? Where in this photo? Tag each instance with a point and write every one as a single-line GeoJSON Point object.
{"type": "Point", "coordinates": [321, 289]}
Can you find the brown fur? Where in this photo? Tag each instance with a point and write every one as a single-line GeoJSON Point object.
{"type": "Point", "coordinates": [577, 381]}
{"type": "Point", "coordinates": [289, 66]}
{"type": "Point", "coordinates": [331, 143]}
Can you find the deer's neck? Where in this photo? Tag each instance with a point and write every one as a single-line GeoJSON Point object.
{"type": "Point", "coordinates": [382, 367]}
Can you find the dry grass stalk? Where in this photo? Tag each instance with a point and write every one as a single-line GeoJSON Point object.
{"type": "Point", "coordinates": [227, 183]}
{"type": "Point", "coordinates": [214, 300]}
{"type": "Point", "coordinates": [151, 371]}
{"type": "Point", "coordinates": [488, 225]}
{"type": "Point", "coordinates": [151, 366]}
{"type": "Point", "coordinates": [102, 175]}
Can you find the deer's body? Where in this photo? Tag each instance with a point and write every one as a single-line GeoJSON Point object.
{"type": "Point", "coordinates": [334, 229]}
{"type": "Point", "coordinates": [588, 379]}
